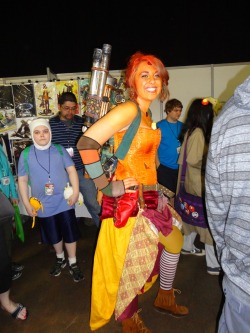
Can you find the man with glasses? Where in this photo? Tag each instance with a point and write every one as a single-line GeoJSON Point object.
{"type": "Point", "coordinates": [66, 129]}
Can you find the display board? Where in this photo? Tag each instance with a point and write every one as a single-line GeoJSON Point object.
{"type": "Point", "coordinates": [20, 103]}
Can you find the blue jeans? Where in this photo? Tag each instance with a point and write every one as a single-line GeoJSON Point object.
{"type": "Point", "coordinates": [89, 192]}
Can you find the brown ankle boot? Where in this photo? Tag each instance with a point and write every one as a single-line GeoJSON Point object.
{"type": "Point", "coordinates": [165, 303]}
{"type": "Point", "coordinates": [134, 325]}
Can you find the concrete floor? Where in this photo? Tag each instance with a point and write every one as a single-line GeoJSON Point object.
{"type": "Point", "coordinates": [58, 305]}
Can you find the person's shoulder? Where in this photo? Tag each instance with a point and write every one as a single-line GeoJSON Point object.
{"type": "Point", "coordinates": [78, 119]}
{"type": "Point", "coordinates": [57, 147]}
{"type": "Point", "coordinates": [197, 134]}
{"type": "Point", "coordinates": [197, 131]}
{"type": "Point", "coordinates": [129, 109]}
{"type": "Point", "coordinates": [26, 150]}
{"type": "Point", "coordinates": [54, 119]}
{"type": "Point", "coordinates": [128, 105]}
{"type": "Point", "coordinates": [160, 122]}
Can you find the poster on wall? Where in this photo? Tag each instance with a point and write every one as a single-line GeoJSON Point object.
{"type": "Point", "coordinates": [22, 131]}
{"type": "Point", "coordinates": [68, 86]}
{"type": "Point", "coordinates": [46, 99]}
{"type": "Point", "coordinates": [24, 100]}
{"type": "Point", "coordinates": [84, 88]}
{"type": "Point", "coordinates": [7, 111]}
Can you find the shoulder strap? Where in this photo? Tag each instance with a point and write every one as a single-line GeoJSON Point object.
{"type": "Point", "coordinates": [58, 147]}
{"type": "Point", "coordinates": [184, 163]}
{"type": "Point", "coordinates": [25, 156]}
{"type": "Point", "coordinates": [150, 113]}
{"type": "Point", "coordinates": [128, 137]}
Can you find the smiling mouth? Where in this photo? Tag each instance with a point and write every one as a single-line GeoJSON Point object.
{"type": "Point", "coordinates": [151, 90]}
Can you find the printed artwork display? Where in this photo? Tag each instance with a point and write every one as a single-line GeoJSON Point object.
{"type": "Point", "coordinates": [84, 88]}
{"type": "Point", "coordinates": [68, 86]}
{"type": "Point", "coordinates": [7, 111]}
{"type": "Point", "coordinates": [20, 103]}
{"type": "Point", "coordinates": [46, 99]}
{"type": "Point", "coordinates": [22, 131]}
{"type": "Point", "coordinates": [24, 100]}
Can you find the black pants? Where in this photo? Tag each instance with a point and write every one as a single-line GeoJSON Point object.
{"type": "Point", "coordinates": [167, 177]}
{"type": "Point", "coordinates": [5, 262]}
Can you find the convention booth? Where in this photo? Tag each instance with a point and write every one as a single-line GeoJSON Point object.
{"type": "Point", "coordinates": [25, 98]}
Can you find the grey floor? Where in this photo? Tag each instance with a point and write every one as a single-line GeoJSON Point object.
{"type": "Point", "coordinates": [58, 305]}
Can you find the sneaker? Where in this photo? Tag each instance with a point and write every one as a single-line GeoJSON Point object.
{"type": "Point", "coordinates": [16, 267]}
{"type": "Point", "coordinates": [57, 269]}
{"type": "Point", "coordinates": [214, 271]}
{"type": "Point", "coordinates": [195, 252]}
{"type": "Point", "coordinates": [76, 273]}
{"type": "Point", "coordinates": [15, 275]}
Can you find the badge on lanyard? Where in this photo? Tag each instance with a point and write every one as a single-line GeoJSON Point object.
{"type": "Point", "coordinates": [70, 151]}
{"type": "Point", "coordinates": [5, 180]}
{"type": "Point", "coordinates": [49, 189]}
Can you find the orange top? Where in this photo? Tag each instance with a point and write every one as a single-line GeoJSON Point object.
{"type": "Point", "coordinates": [140, 159]}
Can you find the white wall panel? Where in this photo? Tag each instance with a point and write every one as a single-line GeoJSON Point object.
{"type": "Point", "coordinates": [185, 84]}
{"type": "Point", "coordinates": [227, 78]}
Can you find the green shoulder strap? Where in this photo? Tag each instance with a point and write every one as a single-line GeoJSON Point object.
{"type": "Point", "coordinates": [26, 153]}
{"type": "Point", "coordinates": [128, 137]}
{"type": "Point", "coordinates": [58, 147]}
{"type": "Point", "coordinates": [25, 156]}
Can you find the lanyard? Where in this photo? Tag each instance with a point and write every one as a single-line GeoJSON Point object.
{"type": "Point", "coordinates": [48, 171]}
{"type": "Point", "coordinates": [177, 131]}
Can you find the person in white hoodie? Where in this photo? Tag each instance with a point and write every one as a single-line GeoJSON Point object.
{"type": "Point", "coordinates": [49, 172]}
{"type": "Point", "coordinates": [227, 187]}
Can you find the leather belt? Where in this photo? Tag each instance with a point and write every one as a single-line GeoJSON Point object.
{"type": "Point", "coordinates": [160, 188]}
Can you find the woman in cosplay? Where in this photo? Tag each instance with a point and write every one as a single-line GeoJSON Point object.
{"type": "Point", "coordinates": [119, 274]}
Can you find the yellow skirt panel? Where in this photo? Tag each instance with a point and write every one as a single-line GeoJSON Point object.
{"type": "Point", "coordinates": [109, 258]}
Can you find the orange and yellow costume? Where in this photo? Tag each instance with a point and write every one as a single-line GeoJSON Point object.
{"type": "Point", "coordinates": [113, 242]}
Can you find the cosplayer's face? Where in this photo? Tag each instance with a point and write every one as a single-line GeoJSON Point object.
{"type": "Point", "coordinates": [67, 110]}
{"type": "Point", "coordinates": [41, 135]}
{"type": "Point", "coordinates": [147, 81]}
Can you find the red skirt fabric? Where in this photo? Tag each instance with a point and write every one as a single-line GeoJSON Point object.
{"type": "Point", "coordinates": [121, 208]}
{"type": "Point", "coordinates": [126, 205]}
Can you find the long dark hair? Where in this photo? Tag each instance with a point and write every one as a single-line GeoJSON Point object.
{"type": "Point", "coordinates": [200, 115]}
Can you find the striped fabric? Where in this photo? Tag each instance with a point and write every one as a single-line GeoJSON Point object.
{"type": "Point", "coordinates": [68, 136]}
{"type": "Point", "coordinates": [228, 187]}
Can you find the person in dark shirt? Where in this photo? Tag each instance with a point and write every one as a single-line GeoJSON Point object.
{"type": "Point", "coordinates": [66, 129]}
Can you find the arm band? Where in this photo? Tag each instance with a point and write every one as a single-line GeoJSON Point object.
{"type": "Point", "coordinates": [88, 149]}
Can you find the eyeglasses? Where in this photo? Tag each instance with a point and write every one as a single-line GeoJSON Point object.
{"type": "Point", "coordinates": [68, 108]}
